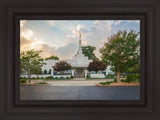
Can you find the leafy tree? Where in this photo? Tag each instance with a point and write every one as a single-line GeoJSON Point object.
{"type": "Point", "coordinates": [135, 69]}
{"type": "Point", "coordinates": [88, 51]}
{"type": "Point", "coordinates": [45, 71]}
{"type": "Point", "coordinates": [52, 58]}
{"type": "Point", "coordinates": [31, 62]}
{"type": "Point", "coordinates": [96, 66]}
{"type": "Point", "coordinates": [62, 66]}
{"type": "Point", "coordinates": [121, 51]}
{"type": "Point", "coordinates": [37, 71]}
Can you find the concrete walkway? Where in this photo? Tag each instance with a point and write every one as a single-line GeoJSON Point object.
{"type": "Point", "coordinates": [76, 82]}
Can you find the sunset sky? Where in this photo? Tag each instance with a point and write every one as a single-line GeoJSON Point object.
{"type": "Point", "coordinates": [60, 37]}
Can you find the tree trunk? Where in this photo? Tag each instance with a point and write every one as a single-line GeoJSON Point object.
{"type": "Point", "coordinates": [29, 78]}
{"type": "Point", "coordinates": [118, 76]}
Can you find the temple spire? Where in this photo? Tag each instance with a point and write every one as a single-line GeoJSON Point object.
{"type": "Point", "coordinates": [79, 40]}
{"type": "Point", "coordinates": [79, 35]}
{"type": "Point", "coordinates": [80, 49]}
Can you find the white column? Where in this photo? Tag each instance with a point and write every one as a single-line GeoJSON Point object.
{"type": "Point", "coordinates": [86, 71]}
{"type": "Point", "coordinates": [73, 73]}
{"type": "Point", "coordinates": [52, 72]}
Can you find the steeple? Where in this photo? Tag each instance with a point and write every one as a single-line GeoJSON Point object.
{"type": "Point", "coordinates": [79, 40]}
{"type": "Point", "coordinates": [79, 35]}
{"type": "Point", "coordinates": [79, 49]}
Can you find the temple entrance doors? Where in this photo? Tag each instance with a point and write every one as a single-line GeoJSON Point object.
{"type": "Point", "coordinates": [79, 73]}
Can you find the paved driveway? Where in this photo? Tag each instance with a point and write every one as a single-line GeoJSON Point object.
{"type": "Point", "coordinates": [78, 93]}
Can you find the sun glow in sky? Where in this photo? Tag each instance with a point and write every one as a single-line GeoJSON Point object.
{"type": "Point", "coordinates": [61, 37]}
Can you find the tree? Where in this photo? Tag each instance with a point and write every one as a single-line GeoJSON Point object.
{"type": "Point", "coordinates": [62, 66]}
{"type": "Point", "coordinates": [49, 72]}
{"type": "Point", "coordinates": [31, 62]}
{"type": "Point", "coordinates": [135, 69]}
{"type": "Point", "coordinates": [88, 51]}
{"type": "Point", "coordinates": [96, 66]}
{"type": "Point", "coordinates": [37, 71]}
{"type": "Point", "coordinates": [52, 58]}
{"type": "Point", "coordinates": [121, 51]}
{"type": "Point", "coordinates": [45, 71]}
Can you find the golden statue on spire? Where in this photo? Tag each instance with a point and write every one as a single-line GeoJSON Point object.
{"type": "Point", "coordinates": [79, 35]}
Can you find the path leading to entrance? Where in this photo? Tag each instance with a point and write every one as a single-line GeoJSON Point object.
{"type": "Point", "coordinates": [76, 82]}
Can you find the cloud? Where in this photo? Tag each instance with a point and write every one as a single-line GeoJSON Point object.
{"type": "Point", "coordinates": [28, 34]}
{"type": "Point", "coordinates": [100, 25]}
{"type": "Point", "coordinates": [62, 39]}
{"type": "Point", "coordinates": [118, 22]}
{"type": "Point", "coordinates": [51, 22]}
{"type": "Point", "coordinates": [79, 29]}
{"type": "Point", "coordinates": [67, 51]}
{"type": "Point", "coordinates": [95, 36]}
{"type": "Point", "coordinates": [22, 22]}
{"type": "Point", "coordinates": [138, 21]}
{"type": "Point", "coordinates": [28, 41]}
{"type": "Point", "coordinates": [47, 50]}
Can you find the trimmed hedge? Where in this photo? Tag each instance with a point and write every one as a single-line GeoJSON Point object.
{"type": "Point", "coordinates": [23, 80]}
{"type": "Point", "coordinates": [49, 78]}
{"type": "Point", "coordinates": [72, 77]}
{"type": "Point", "coordinates": [88, 77]}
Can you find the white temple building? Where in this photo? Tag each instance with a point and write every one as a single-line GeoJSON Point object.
{"type": "Point", "coordinates": [79, 65]}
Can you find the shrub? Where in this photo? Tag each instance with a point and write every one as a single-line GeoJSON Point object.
{"type": "Point", "coordinates": [49, 78]}
{"type": "Point", "coordinates": [110, 76]}
{"type": "Point", "coordinates": [123, 80]}
{"type": "Point", "coordinates": [67, 77]}
{"type": "Point", "coordinates": [23, 80]}
{"type": "Point", "coordinates": [106, 83]}
{"type": "Point", "coordinates": [61, 78]}
{"type": "Point", "coordinates": [42, 83]}
{"type": "Point", "coordinates": [115, 80]}
{"type": "Point", "coordinates": [133, 78]}
{"type": "Point", "coordinates": [56, 77]}
{"type": "Point", "coordinates": [45, 71]}
{"type": "Point", "coordinates": [88, 77]}
{"type": "Point", "coordinates": [71, 77]}
{"type": "Point", "coordinates": [102, 83]}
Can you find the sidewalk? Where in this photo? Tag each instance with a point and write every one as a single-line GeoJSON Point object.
{"type": "Point", "coordinates": [76, 82]}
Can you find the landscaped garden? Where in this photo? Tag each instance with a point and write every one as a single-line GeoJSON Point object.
{"type": "Point", "coordinates": [121, 52]}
